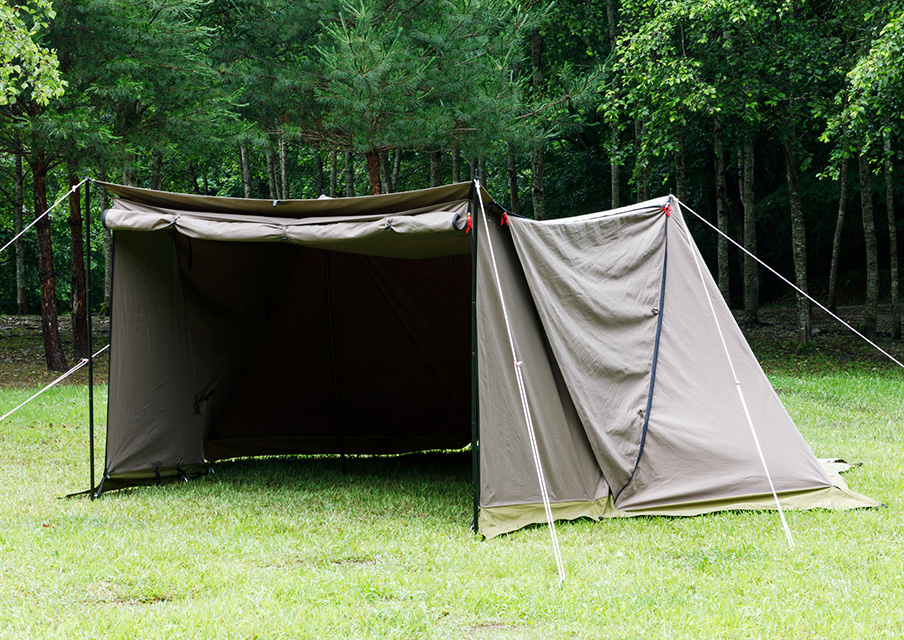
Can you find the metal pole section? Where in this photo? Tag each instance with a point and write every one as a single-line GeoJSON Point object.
{"type": "Point", "coordinates": [90, 332]}
{"type": "Point", "coordinates": [475, 400]}
{"type": "Point", "coordinates": [329, 307]}
{"type": "Point", "coordinates": [100, 486]}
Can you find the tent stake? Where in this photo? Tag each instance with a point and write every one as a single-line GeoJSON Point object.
{"type": "Point", "coordinates": [90, 332]}
{"type": "Point", "coordinates": [329, 308]}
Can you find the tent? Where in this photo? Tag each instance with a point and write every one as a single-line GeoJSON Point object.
{"type": "Point", "coordinates": [590, 361]}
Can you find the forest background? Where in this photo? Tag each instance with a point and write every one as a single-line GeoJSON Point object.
{"type": "Point", "coordinates": [779, 121]}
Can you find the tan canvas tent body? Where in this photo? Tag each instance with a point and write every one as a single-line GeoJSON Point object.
{"type": "Point", "coordinates": [606, 361]}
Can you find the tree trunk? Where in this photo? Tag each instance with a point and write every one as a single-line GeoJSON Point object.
{"type": "Point", "coordinates": [871, 304]}
{"type": "Point", "coordinates": [130, 174]}
{"type": "Point", "coordinates": [456, 163]}
{"type": "Point", "coordinates": [512, 178]}
{"type": "Point", "coordinates": [722, 257]}
{"type": "Point", "coordinates": [272, 179]}
{"type": "Point", "coordinates": [334, 173]}
{"type": "Point", "coordinates": [396, 167]}
{"type": "Point", "coordinates": [104, 203]}
{"type": "Point", "coordinates": [613, 24]}
{"type": "Point", "coordinates": [836, 242]}
{"type": "Point", "coordinates": [349, 174]}
{"type": "Point", "coordinates": [385, 172]}
{"type": "Point", "coordinates": [642, 167]}
{"type": "Point", "coordinates": [245, 164]}
{"type": "Point", "coordinates": [482, 171]}
{"type": "Point", "coordinates": [536, 60]}
{"type": "Point", "coordinates": [538, 195]}
{"type": "Point", "coordinates": [436, 168]}
{"type": "Point", "coordinates": [318, 172]}
{"type": "Point", "coordinates": [614, 170]}
{"type": "Point", "coordinates": [536, 183]}
{"type": "Point", "coordinates": [751, 275]}
{"type": "Point", "coordinates": [892, 242]}
{"type": "Point", "coordinates": [798, 243]}
{"type": "Point", "coordinates": [78, 296]}
{"type": "Point", "coordinates": [50, 326]}
{"type": "Point", "coordinates": [193, 174]}
{"type": "Point", "coordinates": [681, 170]}
{"type": "Point", "coordinates": [157, 169]}
{"type": "Point", "coordinates": [373, 172]}
{"type": "Point", "coordinates": [18, 225]}
{"type": "Point", "coordinates": [283, 168]}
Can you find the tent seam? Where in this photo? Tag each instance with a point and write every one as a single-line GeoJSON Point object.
{"type": "Point", "coordinates": [656, 342]}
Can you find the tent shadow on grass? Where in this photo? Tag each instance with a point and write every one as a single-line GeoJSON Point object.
{"type": "Point", "coordinates": [423, 467]}
{"type": "Point", "coordinates": [435, 485]}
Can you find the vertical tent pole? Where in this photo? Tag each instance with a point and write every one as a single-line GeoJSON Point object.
{"type": "Point", "coordinates": [100, 486]}
{"type": "Point", "coordinates": [329, 307]}
{"type": "Point", "coordinates": [475, 416]}
{"type": "Point", "coordinates": [90, 332]}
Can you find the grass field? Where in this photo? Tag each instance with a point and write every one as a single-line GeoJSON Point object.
{"type": "Point", "coordinates": [292, 548]}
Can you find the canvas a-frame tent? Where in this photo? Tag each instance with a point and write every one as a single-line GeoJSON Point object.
{"type": "Point", "coordinates": [251, 327]}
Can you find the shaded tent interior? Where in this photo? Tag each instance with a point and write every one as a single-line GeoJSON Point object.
{"type": "Point", "coordinates": [247, 328]}
{"type": "Point", "coordinates": [261, 348]}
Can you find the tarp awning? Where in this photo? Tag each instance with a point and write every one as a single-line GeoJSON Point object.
{"type": "Point", "coordinates": [418, 224]}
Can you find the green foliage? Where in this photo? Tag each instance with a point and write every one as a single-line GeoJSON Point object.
{"type": "Point", "coordinates": [418, 76]}
{"type": "Point", "coordinates": [147, 71]}
{"type": "Point", "coordinates": [750, 64]}
{"type": "Point", "coordinates": [871, 104]}
{"type": "Point", "coordinates": [375, 76]}
{"type": "Point", "coordinates": [26, 66]}
{"type": "Point", "coordinates": [137, 75]}
{"type": "Point", "coordinates": [185, 81]}
{"type": "Point", "coordinates": [375, 80]}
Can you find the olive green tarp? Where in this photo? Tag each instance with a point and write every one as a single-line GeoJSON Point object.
{"type": "Point", "coordinates": [252, 327]}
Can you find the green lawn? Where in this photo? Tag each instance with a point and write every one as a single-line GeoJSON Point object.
{"type": "Point", "coordinates": [295, 549]}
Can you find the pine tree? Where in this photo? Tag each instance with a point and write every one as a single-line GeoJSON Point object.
{"type": "Point", "coordinates": [136, 74]}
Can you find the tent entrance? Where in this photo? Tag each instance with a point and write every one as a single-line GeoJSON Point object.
{"type": "Point", "coordinates": [260, 375]}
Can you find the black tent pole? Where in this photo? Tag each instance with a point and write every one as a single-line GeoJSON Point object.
{"type": "Point", "coordinates": [90, 331]}
{"type": "Point", "coordinates": [475, 416]}
{"type": "Point", "coordinates": [109, 312]}
{"type": "Point", "coordinates": [329, 307]}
